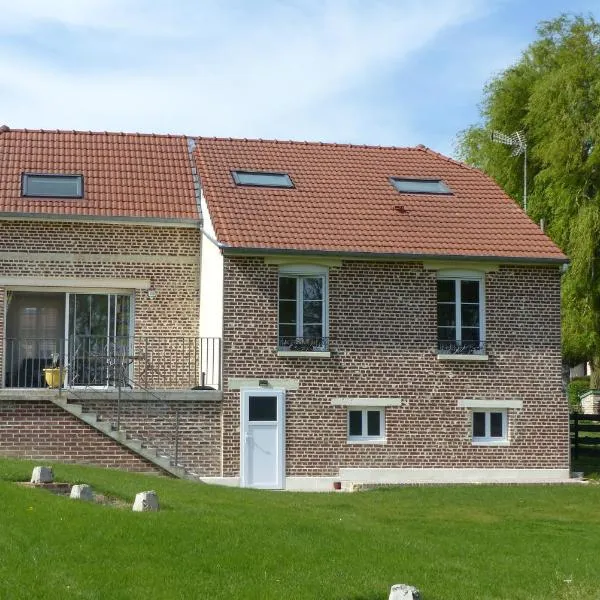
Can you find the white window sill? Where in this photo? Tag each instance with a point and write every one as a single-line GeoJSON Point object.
{"type": "Point", "coordinates": [464, 357]}
{"type": "Point", "coordinates": [303, 354]}
{"type": "Point", "coordinates": [491, 443]}
{"type": "Point", "coordinates": [378, 441]}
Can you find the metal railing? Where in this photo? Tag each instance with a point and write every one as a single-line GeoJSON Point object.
{"type": "Point", "coordinates": [113, 361]}
{"type": "Point", "coordinates": [462, 347]}
{"type": "Point", "coordinates": [304, 344]}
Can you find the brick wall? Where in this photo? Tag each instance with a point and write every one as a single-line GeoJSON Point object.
{"type": "Point", "coordinates": [41, 430]}
{"type": "Point", "coordinates": [195, 426]}
{"type": "Point", "coordinates": [168, 256]}
{"type": "Point", "coordinates": [383, 340]}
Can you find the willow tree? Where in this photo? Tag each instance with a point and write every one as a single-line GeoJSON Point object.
{"type": "Point", "coordinates": [552, 95]}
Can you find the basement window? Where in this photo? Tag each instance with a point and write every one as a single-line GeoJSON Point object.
{"type": "Point", "coordinates": [262, 179]}
{"type": "Point", "coordinates": [411, 185]}
{"type": "Point", "coordinates": [49, 185]}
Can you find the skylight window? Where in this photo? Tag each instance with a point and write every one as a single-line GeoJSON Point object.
{"type": "Point", "coordinates": [51, 185]}
{"type": "Point", "coordinates": [262, 179]}
{"type": "Point", "coordinates": [420, 186]}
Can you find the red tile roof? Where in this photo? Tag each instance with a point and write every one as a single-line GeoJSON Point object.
{"type": "Point", "coordinates": [343, 202]}
{"type": "Point", "coordinates": [125, 175]}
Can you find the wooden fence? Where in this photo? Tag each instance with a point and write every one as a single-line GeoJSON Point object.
{"type": "Point", "coordinates": [585, 435]}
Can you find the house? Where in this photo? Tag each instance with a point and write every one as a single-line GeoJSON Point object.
{"type": "Point", "coordinates": [99, 273]}
{"type": "Point", "coordinates": [388, 315]}
{"type": "Point", "coordinates": [274, 314]}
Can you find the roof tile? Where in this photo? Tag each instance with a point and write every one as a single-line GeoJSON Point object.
{"type": "Point", "coordinates": [343, 202]}
{"type": "Point", "coordinates": [125, 175]}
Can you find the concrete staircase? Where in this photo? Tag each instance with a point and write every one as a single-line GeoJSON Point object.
{"type": "Point", "coordinates": [120, 436]}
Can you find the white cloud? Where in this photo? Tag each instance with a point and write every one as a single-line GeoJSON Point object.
{"type": "Point", "coordinates": [271, 69]}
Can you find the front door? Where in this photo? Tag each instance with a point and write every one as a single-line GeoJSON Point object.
{"type": "Point", "coordinates": [262, 439]}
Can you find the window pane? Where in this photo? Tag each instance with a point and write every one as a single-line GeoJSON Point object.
{"type": "Point", "coordinates": [287, 331]}
{"type": "Point", "coordinates": [287, 311]}
{"type": "Point", "coordinates": [447, 334]}
{"type": "Point", "coordinates": [446, 315]}
{"type": "Point", "coordinates": [262, 179]}
{"type": "Point", "coordinates": [354, 422]}
{"type": "Point", "coordinates": [313, 312]}
{"type": "Point", "coordinates": [374, 423]}
{"type": "Point", "coordinates": [287, 288]}
{"type": "Point", "coordinates": [496, 424]}
{"type": "Point", "coordinates": [60, 186]}
{"type": "Point", "coordinates": [470, 315]}
{"type": "Point", "coordinates": [470, 334]}
{"type": "Point", "coordinates": [312, 288]}
{"type": "Point", "coordinates": [469, 291]}
{"type": "Point", "coordinates": [313, 331]}
{"type": "Point", "coordinates": [420, 186]}
{"type": "Point", "coordinates": [478, 424]}
{"type": "Point", "coordinates": [446, 290]}
{"type": "Point", "coordinates": [262, 408]}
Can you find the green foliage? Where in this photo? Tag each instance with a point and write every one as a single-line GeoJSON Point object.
{"type": "Point", "coordinates": [576, 387]}
{"type": "Point", "coordinates": [211, 542]}
{"type": "Point", "coordinates": [553, 94]}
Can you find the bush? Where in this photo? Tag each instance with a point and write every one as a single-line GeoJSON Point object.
{"type": "Point", "coordinates": [576, 387]}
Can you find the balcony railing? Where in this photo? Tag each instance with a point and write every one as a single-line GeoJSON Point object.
{"type": "Point", "coordinates": [113, 361]}
{"type": "Point", "coordinates": [462, 347]}
{"type": "Point", "coordinates": [304, 344]}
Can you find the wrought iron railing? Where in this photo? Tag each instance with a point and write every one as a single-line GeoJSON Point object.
{"type": "Point", "coordinates": [113, 361]}
{"type": "Point", "coordinates": [462, 347]}
{"type": "Point", "coordinates": [304, 344]}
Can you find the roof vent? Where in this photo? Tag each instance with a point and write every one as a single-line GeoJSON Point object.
{"type": "Point", "coordinates": [4, 128]}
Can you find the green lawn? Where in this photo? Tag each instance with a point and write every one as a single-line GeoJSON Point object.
{"type": "Point", "coordinates": [509, 542]}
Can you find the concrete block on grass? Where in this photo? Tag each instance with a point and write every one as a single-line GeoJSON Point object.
{"type": "Point", "coordinates": [146, 501]}
{"type": "Point", "coordinates": [82, 492]}
{"type": "Point", "coordinates": [42, 475]}
{"type": "Point", "coordinates": [402, 591]}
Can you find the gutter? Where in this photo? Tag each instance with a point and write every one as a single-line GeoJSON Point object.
{"type": "Point", "coordinates": [233, 251]}
{"type": "Point", "coordinates": [109, 220]}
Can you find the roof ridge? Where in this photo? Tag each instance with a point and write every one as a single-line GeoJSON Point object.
{"type": "Point", "coordinates": [306, 143]}
{"type": "Point", "coordinates": [449, 159]}
{"type": "Point", "coordinates": [7, 129]}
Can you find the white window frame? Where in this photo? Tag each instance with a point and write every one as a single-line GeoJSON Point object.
{"type": "Point", "coordinates": [487, 438]}
{"type": "Point", "coordinates": [458, 276]}
{"type": "Point", "coordinates": [299, 272]}
{"type": "Point", "coordinates": [364, 438]}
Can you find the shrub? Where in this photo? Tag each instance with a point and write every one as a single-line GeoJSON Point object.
{"type": "Point", "coordinates": [576, 387]}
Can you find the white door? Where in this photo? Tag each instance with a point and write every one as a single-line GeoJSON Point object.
{"type": "Point", "coordinates": [262, 439]}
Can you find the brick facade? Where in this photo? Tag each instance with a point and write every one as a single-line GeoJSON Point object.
{"type": "Point", "coordinates": [383, 332]}
{"type": "Point", "coordinates": [168, 256]}
{"type": "Point", "coordinates": [189, 429]}
{"type": "Point", "coordinates": [41, 430]}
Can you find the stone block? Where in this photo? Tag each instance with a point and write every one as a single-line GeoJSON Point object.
{"type": "Point", "coordinates": [403, 591]}
{"type": "Point", "coordinates": [42, 475]}
{"type": "Point", "coordinates": [146, 501]}
{"type": "Point", "coordinates": [82, 492]}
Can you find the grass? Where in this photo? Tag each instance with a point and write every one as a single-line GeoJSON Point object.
{"type": "Point", "coordinates": [517, 542]}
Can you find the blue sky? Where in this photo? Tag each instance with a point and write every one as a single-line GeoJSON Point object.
{"type": "Point", "coordinates": [389, 72]}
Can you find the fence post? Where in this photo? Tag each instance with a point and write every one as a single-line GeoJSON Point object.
{"type": "Point", "coordinates": [576, 436]}
{"type": "Point", "coordinates": [176, 434]}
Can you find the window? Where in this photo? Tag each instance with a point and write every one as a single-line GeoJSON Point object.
{"type": "Point", "coordinates": [420, 186]}
{"type": "Point", "coordinates": [262, 179]}
{"type": "Point", "coordinates": [460, 315]}
{"type": "Point", "coordinates": [303, 310]}
{"type": "Point", "coordinates": [366, 424]}
{"type": "Point", "coordinates": [490, 426]}
{"type": "Point", "coordinates": [52, 186]}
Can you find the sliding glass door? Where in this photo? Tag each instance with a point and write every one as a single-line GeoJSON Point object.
{"type": "Point", "coordinates": [89, 334]}
{"type": "Point", "coordinates": [99, 339]}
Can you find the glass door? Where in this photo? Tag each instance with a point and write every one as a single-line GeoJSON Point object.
{"type": "Point", "coordinates": [99, 339]}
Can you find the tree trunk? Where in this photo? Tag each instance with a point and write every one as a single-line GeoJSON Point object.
{"type": "Point", "coordinates": [595, 375]}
